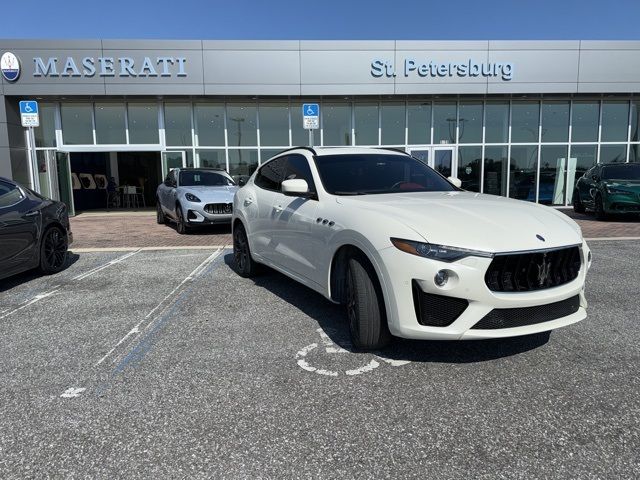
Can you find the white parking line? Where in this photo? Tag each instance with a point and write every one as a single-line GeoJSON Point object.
{"type": "Point", "coordinates": [84, 275]}
{"type": "Point", "coordinates": [136, 330]}
{"type": "Point", "coordinates": [31, 301]}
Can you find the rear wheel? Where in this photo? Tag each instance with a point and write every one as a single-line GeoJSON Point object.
{"type": "Point", "coordinates": [159, 214]}
{"type": "Point", "coordinates": [365, 306]}
{"type": "Point", "coordinates": [53, 251]}
{"type": "Point", "coordinates": [245, 265]}
{"type": "Point", "coordinates": [181, 225]}
{"type": "Point", "coordinates": [599, 208]}
{"type": "Point", "coordinates": [578, 207]}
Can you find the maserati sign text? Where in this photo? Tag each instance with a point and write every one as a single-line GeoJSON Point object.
{"type": "Point", "coordinates": [109, 67]}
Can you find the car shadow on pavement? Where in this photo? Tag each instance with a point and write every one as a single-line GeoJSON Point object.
{"type": "Point", "coordinates": [25, 277]}
{"type": "Point", "coordinates": [332, 319]}
{"type": "Point", "coordinates": [203, 230]}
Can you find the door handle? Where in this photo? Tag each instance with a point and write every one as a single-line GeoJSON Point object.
{"type": "Point", "coordinates": [32, 213]}
{"type": "Point", "coordinates": [278, 208]}
{"type": "Point", "coordinates": [248, 201]}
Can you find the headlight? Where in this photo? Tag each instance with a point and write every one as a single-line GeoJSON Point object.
{"type": "Point", "coordinates": [618, 191]}
{"type": "Point", "coordinates": [436, 252]}
{"type": "Point", "coordinates": [191, 197]}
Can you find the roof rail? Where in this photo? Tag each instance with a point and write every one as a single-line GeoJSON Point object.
{"type": "Point", "coordinates": [297, 148]}
{"type": "Point", "coordinates": [394, 149]}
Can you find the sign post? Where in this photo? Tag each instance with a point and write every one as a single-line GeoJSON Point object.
{"type": "Point", "coordinates": [311, 119]}
{"type": "Point", "coordinates": [30, 118]}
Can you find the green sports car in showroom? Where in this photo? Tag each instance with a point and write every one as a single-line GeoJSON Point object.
{"type": "Point", "coordinates": [608, 188]}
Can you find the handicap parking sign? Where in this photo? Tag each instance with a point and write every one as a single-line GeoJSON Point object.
{"type": "Point", "coordinates": [311, 116]}
{"type": "Point", "coordinates": [29, 113]}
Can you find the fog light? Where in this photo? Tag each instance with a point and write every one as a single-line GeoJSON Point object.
{"type": "Point", "coordinates": [441, 278]}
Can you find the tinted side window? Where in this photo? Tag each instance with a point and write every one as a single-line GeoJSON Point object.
{"type": "Point", "coordinates": [269, 176]}
{"type": "Point", "coordinates": [298, 167]}
{"type": "Point", "coordinates": [9, 195]}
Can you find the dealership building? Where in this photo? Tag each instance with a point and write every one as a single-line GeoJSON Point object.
{"type": "Point", "coordinates": [521, 119]}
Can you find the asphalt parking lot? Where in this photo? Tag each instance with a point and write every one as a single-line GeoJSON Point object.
{"type": "Point", "coordinates": [166, 363]}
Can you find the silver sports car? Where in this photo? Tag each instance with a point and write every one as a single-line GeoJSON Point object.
{"type": "Point", "coordinates": [195, 196]}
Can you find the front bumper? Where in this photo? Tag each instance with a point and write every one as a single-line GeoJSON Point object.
{"type": "Point", "coordinates": [195, 215]}
{"type": "Point", "coordinates": [616, 203]}
{"type": "Point", "coordinates": [401, 271]}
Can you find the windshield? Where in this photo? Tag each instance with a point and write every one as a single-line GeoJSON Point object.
{"type": "Point", "coordinates": [621, 172]}
{"type": "Point", "coordinates": [195, 178]}
{"type": "Point", "coordinates": [371, 173]}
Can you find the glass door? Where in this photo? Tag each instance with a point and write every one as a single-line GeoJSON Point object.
{"type": "Point", "coordinates": [59, 169]}
{"type": "Point", "coordinates": [173, 159]}
{"type": "Point", "coordinates": [441, 159]}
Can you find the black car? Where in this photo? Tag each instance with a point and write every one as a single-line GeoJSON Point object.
{"type": "Point", "coordinates": [34, 231]}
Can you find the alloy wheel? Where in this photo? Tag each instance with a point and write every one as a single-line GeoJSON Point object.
{"type": "Point", "coordinates": [240, 250]}
{"type": "Point", "coordinates": [55, 249]}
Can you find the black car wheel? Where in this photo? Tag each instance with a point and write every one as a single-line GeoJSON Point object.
{"type": "Point", "coordinates": [245, 265]}
{"type": "Point", "coordinates": [599, 208]}
{"type": "Point", "coordinates": [53, 250]}
{"type": "Point", "coordinates": [578, 207]}
{"type": "Point", "coordinates": [181, 225]}
{"type": "Point", "coordinates": [365, 307]}
{"type": "Point", "coordinates": [160, 214]}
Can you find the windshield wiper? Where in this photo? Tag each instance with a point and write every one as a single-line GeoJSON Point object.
{"type": "Point", "coordinates": [349, 193]}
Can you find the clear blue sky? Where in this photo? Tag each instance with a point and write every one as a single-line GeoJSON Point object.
{"type": "Point", "coordinates": [322, 19]}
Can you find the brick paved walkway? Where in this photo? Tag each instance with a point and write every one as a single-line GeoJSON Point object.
{"type": "Point", "coordinates": [140, 230]}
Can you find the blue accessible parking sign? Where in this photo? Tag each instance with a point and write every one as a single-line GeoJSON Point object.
{"type": "Point", "coordinates": [311, 116]}
{"type": "Point", "coordinates": [29, 113]}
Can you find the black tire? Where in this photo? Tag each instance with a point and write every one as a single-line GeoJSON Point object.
{"type": "Point", "coordinates": [245, 265]}
{"type": "Point", "coordinates": [53, 250]}
{"type": "Point", "coordinates": [160, 218]}
{"type": "Point", "coordinates": [365, 306]}
{"type": "Point", "coordinates": [181, 224]}
{"type": "Point", "coordinates": [599, 208]}
{"type": "Point", "coordinates": [578, 206]}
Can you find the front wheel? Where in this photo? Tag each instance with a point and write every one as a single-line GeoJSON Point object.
{"type": "Point", "coordinates": [578, 206]}
{"type": "Point", "coordinates": [160, 214]}
{"type": "Point", "coordinates": [245, 265]}
{"type": "Point", "coordinates": [181, 225]}
{"type": "Point", "coordinates": [601, 214]}
{"type": "Point", "coordinates": [365, 307]}
{"type": "Point", "coordinates": [53, 251]}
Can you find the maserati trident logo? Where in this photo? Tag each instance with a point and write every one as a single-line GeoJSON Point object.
{"type": "Point", "coordinates": [10, 66]}
{"type": "Point", "coordinates": [544, 271]}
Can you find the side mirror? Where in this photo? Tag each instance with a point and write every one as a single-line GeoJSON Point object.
{"type": "Point", "coordinates": [242, 182]}
{"type": "Point", "coordinates": [456, 181]}
{"type": "Point", "coordinates": [295, 187]}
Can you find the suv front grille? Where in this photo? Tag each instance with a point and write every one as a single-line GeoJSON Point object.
{"type": "Point", "coordinates": [219, 208]}
{"type": "Point", "coordinates": [436, 310]}
{"type": "Point", "coordinates": [521, 272]}
{"type": "Point", "coordinates": [520, 317]}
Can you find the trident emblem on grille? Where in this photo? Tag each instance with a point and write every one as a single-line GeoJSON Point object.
{"type": "Point", "coordinates": [544, 270]}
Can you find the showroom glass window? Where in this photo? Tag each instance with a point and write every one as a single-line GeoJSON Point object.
{"type": "Point", "coordinates": [495, 168]}
{"type": "Point", "coordinates": [613, 153]}
{"type": "Point", "coordinates": [392, 120]}
{"type": "Point", "coordinates": [419, 123]}
{"type": "Point", "coordinates": [522, 172]}
{"type": "Point", "coordinates": [553, 162]}
{"type": "Point", "coordinates": [444, 122]}
{"type": "Point", "coordinates": [110, 123]}
{"type": "Point", "coordinates": [45, 134]}
{"type": "Point", "coordinates": [143, 123]}
{"type": "Point", "coordinates": [634, 153]}
{"type": "Point", "coordinates": [366, 123]}
{"type": "Point", "coordinates": [586, 157]}
{"type": "Point", "coordinates": [555, 121]}
{"type": "Point", "coordinates": [268, 153]}
{"type": "Point", "coordinates": [470, 122]}
{"type": "Point", "coordinates": [497, 122]}
{"type": "Point", "coordinates": [210, 124]}
{"type": "Point", "coordinates": [274, 124]}
{"type": "Point", "coordinates": [242, 129]}
{"type": "Point", "coordinates": [525, 118]}
{"type": "Point", "coordinates": [212, 158]}
{"type": "Point", "coordinates": [635, 121]}
{"type": "Point", "coordinates": [177, 123]}
{"type": "Point", "coordinates": [242, 162]}
{"type": "Point", "coordinates": [469, 167]}
{"type": "Point", "coordinates": [615, 120]}
{"type": "Point", "coordinates": [336, 124]}
{"type": "Point", "coordinates": [300, 136]}
{"type": "Point", "coordinates": [585, 119]}
{"type": "Point", "coordinates": [77, 124]}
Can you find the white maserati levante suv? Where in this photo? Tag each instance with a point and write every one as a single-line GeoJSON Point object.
{"type": "Point", "coordinates": [408, 252]}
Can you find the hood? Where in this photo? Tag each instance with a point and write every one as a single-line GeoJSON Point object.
{"type": "Point", "coordinates": [211, 194]}
{"type": "Point", "coordinates": [473, 220]}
